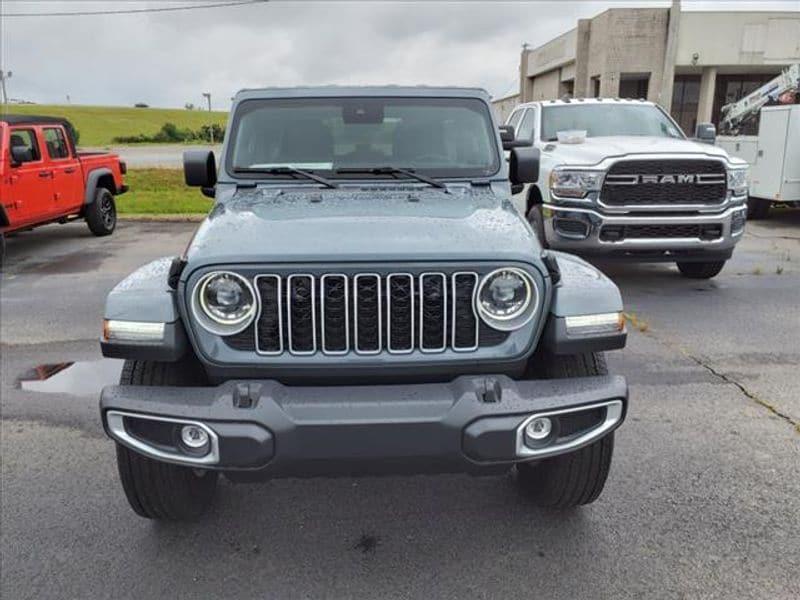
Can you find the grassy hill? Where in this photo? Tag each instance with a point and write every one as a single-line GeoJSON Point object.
{"type": "Point", "coordinates": [98, 125]}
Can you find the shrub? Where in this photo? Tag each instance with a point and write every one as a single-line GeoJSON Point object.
{"type": "Point", "coordinates": [171, 134]}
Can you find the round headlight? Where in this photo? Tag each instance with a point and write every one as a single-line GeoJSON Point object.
{"type": "Point", "coordinates": [506, 298]}
{"type": "Point", "coordinates": [227, 302]}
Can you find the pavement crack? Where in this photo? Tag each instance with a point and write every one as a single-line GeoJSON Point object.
{"type": "Point", "coordinates": [747, 393]}
{"type": "Point", "coordinates": [719, 375]}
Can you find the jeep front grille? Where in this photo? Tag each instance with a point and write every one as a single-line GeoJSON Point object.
{"type": "Point", "coordinates": [366, 313]}
{"type": "Point", "coordinates": [631, 183]}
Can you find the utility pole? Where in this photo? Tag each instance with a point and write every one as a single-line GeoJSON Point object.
{"type": "Point", "coordinates": [3, 76]}
{"type": "Point", "coordinates": [207, 96]}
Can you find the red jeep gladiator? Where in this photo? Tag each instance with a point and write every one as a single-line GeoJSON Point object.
{"type": "Point", "coordinates": [43, 179]}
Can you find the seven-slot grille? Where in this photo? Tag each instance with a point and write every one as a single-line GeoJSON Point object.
{"type": "Point", "coordinates": [366, 313]}
{"type": "Point", "coordinates": [665, 182]}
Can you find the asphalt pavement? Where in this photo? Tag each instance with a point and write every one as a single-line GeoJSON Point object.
{"type": "Point", "coordinates": [703, 500]}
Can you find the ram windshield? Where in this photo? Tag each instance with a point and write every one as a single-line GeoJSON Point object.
{"type": "Point", "coordinates": [608, 119]}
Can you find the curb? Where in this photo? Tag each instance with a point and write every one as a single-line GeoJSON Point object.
{"type": "Point", "coordinates": [165, 218]}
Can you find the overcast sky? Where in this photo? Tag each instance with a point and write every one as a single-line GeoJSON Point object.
{"type": "Point", "coordinates": [168, 59]}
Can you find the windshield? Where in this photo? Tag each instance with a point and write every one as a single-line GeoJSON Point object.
{"type": "Point", "coordinates": [441, 137]}
{"type": "Point", "coordinates": [607, 119]}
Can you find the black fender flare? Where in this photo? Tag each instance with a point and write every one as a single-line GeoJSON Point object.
{"type": "Point", "coordinates": [534, 198]}
{"type": "Point", "coordinates": [93, 181]}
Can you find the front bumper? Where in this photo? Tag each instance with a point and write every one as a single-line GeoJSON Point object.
{"type": "Point", "coordinates": [589, 242]}
{"type": "Point", "coordinates": [262, 429]}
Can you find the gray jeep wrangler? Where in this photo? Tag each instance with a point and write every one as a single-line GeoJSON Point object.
{"type": "Point", "coordinates": [363, 298]}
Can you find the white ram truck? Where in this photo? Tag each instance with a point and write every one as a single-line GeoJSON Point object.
{"type": "Point", "coordinates": [619, 179]}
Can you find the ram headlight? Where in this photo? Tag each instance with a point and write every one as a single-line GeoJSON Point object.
{"type": "Point", "coordinates": [737, 180]}
{"type": "Point", "coordinates": [575, 183]}
{"type": "Point", "coordinates": [507, 298]}
{"type": "Point", "coordinates": [224, 303]}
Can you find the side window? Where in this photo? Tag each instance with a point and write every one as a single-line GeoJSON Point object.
{"type": "Point", "coordinates": [513, 120]}
{"type": "Point", "coordinates": [25, 140]}
{"type": "Point", "coordinates": [526, 129]}
{"type": "Point", "coordinates": [56, 143]}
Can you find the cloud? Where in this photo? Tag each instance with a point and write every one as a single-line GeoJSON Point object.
{"type": "Point", "coordinates": [167, 59]}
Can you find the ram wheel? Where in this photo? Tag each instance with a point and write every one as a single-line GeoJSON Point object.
{"type": "Point", "coordinates": [757, 208]}
{"type": "Point", "coordinates": [158, 490]}
{"type": "Point", "coordinates": [701, 270]}
{"type": "Point", "coordinates": [101, 215]}
{"type": "Point", "coordinates": [576, 478]}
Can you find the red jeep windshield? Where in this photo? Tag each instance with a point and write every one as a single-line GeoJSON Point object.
{"type": "Point", "coordinates": [441, 137]}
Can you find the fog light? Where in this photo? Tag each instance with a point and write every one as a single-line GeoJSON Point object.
{"type": "Point", "coordinates": [538, 429]}
{"type": "Point", "coordinates": [194, 437]}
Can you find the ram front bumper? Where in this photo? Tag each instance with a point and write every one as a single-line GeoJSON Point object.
{"type": "Point", "coordinates": [653, 236]}
{"type": "Point", "coordinates": [261, 429]}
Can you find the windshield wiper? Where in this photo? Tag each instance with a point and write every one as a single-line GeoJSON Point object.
{"type": "Point", "coordinates": [288, 171]}
{"type": "Point", "coordinates": [393, 171]}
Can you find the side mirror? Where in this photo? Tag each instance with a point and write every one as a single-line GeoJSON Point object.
{"type": "Point", "coordinates": [706, 133]}
{"type": "Point", "coordinates": [20, 154]}
{"type": "Point", "coordinates": [523, 165]}
{"type": "Point", "coordinates": [508, 138]}
{"type": "Point", "coordinates": [199, 168]}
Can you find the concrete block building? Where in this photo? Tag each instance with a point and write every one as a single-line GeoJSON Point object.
{"type": "Point", "coordinates": [692, 63]}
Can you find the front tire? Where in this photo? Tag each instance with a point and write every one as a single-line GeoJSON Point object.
{"type": "Point", "coordinates": [757, 208]}
{"type": "Point", "coordinates": [101, 215]}
{"type": "Point", "coordinates": [568, 480]}
{"type": "Point", "coordinates": [701, 270]}
{"type": "Point", "coordinates": [158, 490]}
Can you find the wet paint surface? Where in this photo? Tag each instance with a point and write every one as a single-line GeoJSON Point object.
{"type": "Point", "coordinates": [85, 378]}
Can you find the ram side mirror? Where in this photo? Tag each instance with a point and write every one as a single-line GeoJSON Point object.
{"type": "Point", "coordinates": [706, 133]}
{"type": "Point", "coordinates": [523, 165]}
{"type": "Point", "coordinates": [20, 154]}
{"type": "Point", "coordinates": [200, 170]}
{"type": "Point", "coordinates": [509, 138]}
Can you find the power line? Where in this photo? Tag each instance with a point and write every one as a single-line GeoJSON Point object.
{"type": "Point", "coordinates": [132, 11]}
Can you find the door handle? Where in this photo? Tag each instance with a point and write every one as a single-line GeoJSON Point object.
{"type": "Point", "coordinates": [45, 174]}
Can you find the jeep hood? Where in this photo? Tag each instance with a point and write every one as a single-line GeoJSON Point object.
{"type": "Point", "coordinates": [361, 224]}
{"type": "Point", "coordinates": [593, 150]}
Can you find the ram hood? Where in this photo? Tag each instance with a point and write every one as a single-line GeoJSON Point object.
{"type": "Point", "coordinates": [306, 224]}
{"type": "Point", "coordinates": [593, 150]}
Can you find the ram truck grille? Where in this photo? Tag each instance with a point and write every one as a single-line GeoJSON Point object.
{"type": "Point", "coordinates": [665, 182]}
{"type": "Point", "coordinates": [366, 313]}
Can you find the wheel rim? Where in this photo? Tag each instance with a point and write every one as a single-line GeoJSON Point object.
{"type": "Point", "coordinates": [107, 212]}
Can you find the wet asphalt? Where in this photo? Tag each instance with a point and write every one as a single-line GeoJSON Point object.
{"type": "Point", "coordinates": [703, 500]}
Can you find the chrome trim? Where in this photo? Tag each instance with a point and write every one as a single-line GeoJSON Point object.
{"type": "Point", "coordinates": [612, 419]}
{"type": "Point", "coordinates": [653, 219]}
{"type": "Point", "coordinates": [346, 314]}
{"type": "Point", "coordinates": [443, 347]}
{"type": "Point", "coordinates": [355, 314]}
{"type": "Point", "coordinates": [313, 314]}
{"type": "Point", "coordinates": [635, 179]}
{"type": "Point", "coordinates": [115, 419]}
{"type": "Point", "coordinates": [391, 350]}
{"type": "Point", "coordinates": [598, 220]}
{"type": "Point", "coordinates": [608, 163]}
{"type": "Point", "coordinates": [472, 308]}
{"type": "Point", "coordinates": [280, 315]}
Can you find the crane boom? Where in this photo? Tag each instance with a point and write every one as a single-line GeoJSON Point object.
{"type": "Point", "coordinates": [735, 114]}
